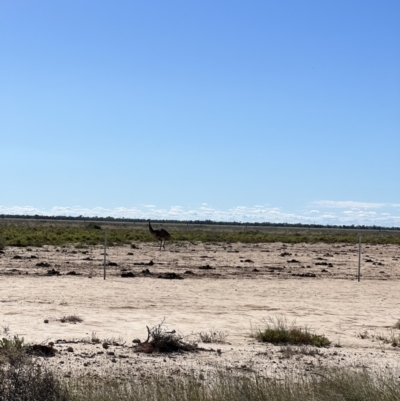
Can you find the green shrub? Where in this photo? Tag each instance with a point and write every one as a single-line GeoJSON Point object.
{"type": "Point", "coordinates": [21, 379]}
{"type": "Point", "coordinates": [11, 346]}
{"type": "Point", "coordinates": [279, 332]}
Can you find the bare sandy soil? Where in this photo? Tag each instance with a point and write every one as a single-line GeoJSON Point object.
{"type": "Point", "coordinates": [229, 289]}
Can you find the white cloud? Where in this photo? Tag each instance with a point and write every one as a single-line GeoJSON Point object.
{"type": "Point", "coordinates": [347, 204]}
{"type": "Point", "coordinates": [359, 213]}
{"type": "Point", "coordinates": [259, 213]}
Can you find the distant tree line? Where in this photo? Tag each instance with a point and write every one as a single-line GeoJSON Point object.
{"type": "Point", "coordinates": [194, 222]}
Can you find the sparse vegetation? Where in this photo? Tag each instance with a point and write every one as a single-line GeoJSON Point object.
{"type": "Point", "coordinates": [6, 330]}
{"type": "Point", "coordinates": [324, 385]}
{"type": "Point", "coordinates": [11, 347]}
{"type": "Point", "coordinates": [288, 351]}
{"type": "Point", "coordinates": [71, 319]}
{"type": "Point", "coordinates": [213, 336]}
{"type": "Point", "coordinates": [277, 331]}
{"type": "Point", "coordinates": [25, 380]}
{"type": "Point", "coordinates": [392, 337]}
{"type": "Point", "coordinates": [363, 335]}
{"type": "Point", "coordinates": [22, 378]}
{"type": "Point", "coordinates": [37, 233]}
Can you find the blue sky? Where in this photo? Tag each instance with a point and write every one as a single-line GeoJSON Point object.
{"type": "Point", "coordinates": [282, 111]}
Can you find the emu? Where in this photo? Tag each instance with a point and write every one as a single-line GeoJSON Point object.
{"type": "Point", "coordinates": [161, 235]}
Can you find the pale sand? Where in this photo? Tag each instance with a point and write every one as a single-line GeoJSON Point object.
{"type": "Point", "coordinates": [231, 298]}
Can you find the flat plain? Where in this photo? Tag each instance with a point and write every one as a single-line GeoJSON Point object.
{"type": "Point", "coordinates": [226, 288]}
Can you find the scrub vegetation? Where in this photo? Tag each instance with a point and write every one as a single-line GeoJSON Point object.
{"type": "Point", "coordinates": [23, 378]}
{"type": "Point", "coordinates": [278, 331]}
{"type": "Point", "coordinates": [19, 232]}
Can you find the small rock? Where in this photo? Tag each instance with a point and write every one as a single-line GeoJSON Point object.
{"type": "Point", "coordinates": [43, 264]}
{"type": "Point", "coordinates": [170, 276]}
{"type": "Point", "coordinates": [189, 272]}
{"type": "Point", "coordinates": [206, 267]}
{"type": "Point", "coordinates": [53, 272]}
{"type": "Point", "coordinates": [128, 274]}
{"type": "Point", "coordinates": [73, 273]}
{"type": "Point", "coordinates": [146, 272]}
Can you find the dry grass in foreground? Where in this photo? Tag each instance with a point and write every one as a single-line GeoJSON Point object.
{"type": "Point", "coordinates": [30, 382]}
{"type": "Point", "coordinates": [328, 385]}
{"type": "Point", "coordinates": [26, 378]}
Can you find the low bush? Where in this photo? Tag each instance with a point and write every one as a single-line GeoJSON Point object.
{"type": "Point", "coordinates": [71, 319]}
{"type": "Point", "coordinates": [277, 331]}
{"type": "Point", "coordinates": [22, 378]}
{"type": "Point", "coordinates": [12, 348]}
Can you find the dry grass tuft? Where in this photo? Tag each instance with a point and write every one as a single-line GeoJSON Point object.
{"type": "Point", "coordinates": [71, 319]}
{"type": "Point", "coordinates": [277, 331]}
{"type": "Point", "coordinates": [213, 336]}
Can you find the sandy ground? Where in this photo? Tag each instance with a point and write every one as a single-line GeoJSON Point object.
{"type": "Point", "coordinates": [229, 289]}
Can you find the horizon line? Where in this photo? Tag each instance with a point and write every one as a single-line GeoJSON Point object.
{"type": "Point", "coordinates": [199, 221]}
